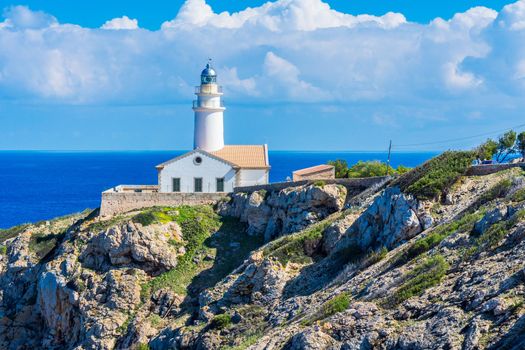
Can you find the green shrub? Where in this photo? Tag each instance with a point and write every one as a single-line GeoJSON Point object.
{"type": "Point", "coordinates": [337, 304]}
{"type": "Point", "coordinates": [519, 195]}
{"type": "Point", "coordinates": [12, 232]}
{"type": "Point", "coordinates": [291, 248]}
{"type": "Point", "coordinates": [376, 256]}
{"type": "Point", "coordinates": [370, 169]}
{"type": "Point", "coordinates": [426, 274]}
{"type": "Point", "coordinates": [142, 346]}
{"type": "Point", "coordinates": [423, 245]}
{"type": "Point", "coordinates": [499, 190]}
{"type": "Point", "coordinates": [3, 250]}
{"type": "Point", "coordinates": [197, 224]}
{"type": "Point", "coordinates": [319, 183]}
{"type": "Point", "coordinates": [492, 236]}
{"type": "Point", "coordinates": [221, 321]}
{"type": "Point", "coordinates": [43, 244]}
{"type": "Point", "coordinates": [431, 179]}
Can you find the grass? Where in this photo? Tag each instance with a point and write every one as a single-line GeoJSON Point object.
{"type": "Point", "coordinates": [518, 196]}
{"type": "Point", "coordinates": [42, 244]}
{"type": "Point", "coordinates": [12, 232]}
{"type": "Point", "coordinates": [221, 321]}
{"type": "Point", "coordinates": [375, 256]}
{"type": "Point", "coordinates": [337, 304]}
{"type": "Point", "coordinates": [291, 248]}
{"type": "Point", "coordinates": [142, 346]}
{"type": "Point", "coordinates": [423, 245]}
{"type": "Point", "coordinates": [197, 223]}
{"type": "Point", "coordinates": [499, 190]}
{"type": "Point", "coordinates": [431, 179]}
{"type": "Point", "coordinates": [103, 225]}
{"type": "Point", "coordinates": [426, 274]}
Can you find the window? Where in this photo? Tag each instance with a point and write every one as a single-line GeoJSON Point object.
{"type": "Point", "coordinates": [176, 184]}
{"type": "Point", "coordinates": [197, 160]}
{"type": "Point", "coordinates": [220, 184]}
{"type": "Point", "coordinates": [198, 184]}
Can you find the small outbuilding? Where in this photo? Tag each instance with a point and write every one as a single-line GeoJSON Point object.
{"type": "Point", "coordinates": [318, 172]}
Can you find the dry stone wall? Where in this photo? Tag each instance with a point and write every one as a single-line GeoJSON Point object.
{"type": "Point", "coordinates": [115, 203]}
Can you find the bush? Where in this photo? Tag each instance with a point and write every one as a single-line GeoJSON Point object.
{"type": "Point", "coordinates": [3, 250]}
{"type": "Point", "coordinates": [427, 274]}
{"type": "Point", "coordinates": [431, 179]}
{"type": "Point", "coordinates": [319, 183]}
{"type": "Point", "coordinates": [221, 321]}
{"type": "Point", "coordinates": [422, 245]}
{"type": "Point", "coordinates": [340, 167]}
{"type": "Point", "coordinates": [492, 236]}
{"type": "Point", "coordinates": [519, 195]}
{"type": "Point", "coordinates": [337, 304]}
{"type": "Point", "coordinates": [499, 190]}
{"type": "Point", "coordinates": [369, 169]}
{"type": "Point", "coordinates": [376, 256]}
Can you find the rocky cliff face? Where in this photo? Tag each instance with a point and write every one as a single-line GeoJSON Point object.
{"type": "Point", "coordinates": [290, 269]}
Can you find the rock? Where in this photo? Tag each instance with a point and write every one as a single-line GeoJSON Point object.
{"type": "Point", "coordinates": [132, 244]}
{"type": "Point", "coordinates": [286, 211]}
{"type": "Point", "coordinates": [390, 220]}
{"type": "Point", "coordinates": [497, 306]}
{"type": "Point", "coordinates": [166, 302]}
{"type": "Point", "coordinates": [489, 219]}
{"type": "Point", "coordinates": [312, 339]}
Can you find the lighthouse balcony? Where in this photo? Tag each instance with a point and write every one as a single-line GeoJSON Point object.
{"type": "Point", "coordinates": [207, 104]}
{"type": "Point", "coordinates": [208, 89]}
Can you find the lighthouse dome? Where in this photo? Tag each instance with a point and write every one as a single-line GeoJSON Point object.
{"type": "Point", "coordinates": [208, 75]}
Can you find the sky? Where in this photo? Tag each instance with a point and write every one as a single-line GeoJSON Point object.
{"type": "Point", "coordinates": [297, 74]}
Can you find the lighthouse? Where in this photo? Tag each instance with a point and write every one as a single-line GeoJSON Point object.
{"type": "Point", "coordinates": [209, 113]}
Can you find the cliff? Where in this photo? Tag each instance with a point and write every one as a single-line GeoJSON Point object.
{"type": "Point", "coordinates": [434, 260]}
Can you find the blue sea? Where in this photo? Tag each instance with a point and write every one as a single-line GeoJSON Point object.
{"type": "Point", "coordinates": [40, 185]}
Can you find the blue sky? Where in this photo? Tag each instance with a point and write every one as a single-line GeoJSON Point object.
{"type": "Point", "coordinates": [298, 74]}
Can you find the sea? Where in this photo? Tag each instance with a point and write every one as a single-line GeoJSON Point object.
{"type": "Point", "coordinates": [41, 185]}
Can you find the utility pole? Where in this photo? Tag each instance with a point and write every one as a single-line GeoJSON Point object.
{"type": "Point", "coordinates": [388, 161]}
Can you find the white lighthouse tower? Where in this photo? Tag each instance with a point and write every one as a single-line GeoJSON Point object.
{"type": "Point", "coordinates": [209, 113]}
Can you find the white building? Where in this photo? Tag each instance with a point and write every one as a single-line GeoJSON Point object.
{"type": "Point", "coordinates": [212, 166]}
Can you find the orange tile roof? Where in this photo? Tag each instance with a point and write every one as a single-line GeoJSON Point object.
{"type": "Point", "coordinates": [314, 169]}
{"type": "Point", "coordinates": [245, 156]}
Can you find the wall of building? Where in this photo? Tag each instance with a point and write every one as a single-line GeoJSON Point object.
{"type": "Point", "coordinates": [319, 175]}
{"type": "Point", "coordinates": [252, 177]}
{"type": "Point", "coordinates": [209, 170]}
{"type": "Point", "coordinates": [114, 203]}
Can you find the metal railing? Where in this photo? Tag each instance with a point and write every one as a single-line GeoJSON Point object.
{"type": "Point", "coordinates": [208, 89]}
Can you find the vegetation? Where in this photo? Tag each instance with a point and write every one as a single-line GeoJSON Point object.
{"type": "Point", "coordinates": [376, 256]}
{"type": "Point", "coordinates": [337, 304]}
{"type": "Point", "coordinates": [319, 183]}
{"type": "Point", "coordinates": [291, 248]}
{"type": "Point", "coordinates": [518, 196]}
{"type": "Point", "coordinates": [431, 179]}
{"type": "Point", "coordinates": [509, 143]}
{"type": "Point", "coordinates": [499, 190]}
{"type": "Point", "coordinates": [142, 346]}
{"type": "Point", "coordinates": [341, 167]}
{"type": "Point", "coordinates": [423, 245]}
{"type": "Point", "coordinates": [426, 274]}
{"type": "Point", "coordinates": [12, 232]}
{"type": "Point", "coordinates": [3, 250]}
{"type": "Point", "coordinates": [42, 244]}
{"type": "Point", "coordinates": [365, 169]}
{"type": "Point", "coordinates": [197, 224]}
{"type": "Point", "coordinates": [221, 321]}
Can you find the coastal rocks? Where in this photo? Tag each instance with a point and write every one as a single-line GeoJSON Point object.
{"type": "Point", "coordinates": [391, 219]}
{"type": "Point", "coordinates": [312, 339]}
{"type": "Point", "coordinates": [132, 244]}
{"type": "Point", "coordinates": [489, 219]}
{"type": "Point", "coordinates": [286, 211]}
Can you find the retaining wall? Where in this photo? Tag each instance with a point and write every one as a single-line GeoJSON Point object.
{"type": "Point", "coordinates": [480, 170]}
{"type": "Point", "coordinates": [349, 183]}
{"type": "Point", "coordinates": [118, 202]}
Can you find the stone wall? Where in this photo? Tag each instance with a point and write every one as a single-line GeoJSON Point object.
{"type": "Point", "coordinates": [349, 183]}
{"type": "Point", "coordinates": [480, 170]}
{"type": "Point", "coordinates": [117, 203]}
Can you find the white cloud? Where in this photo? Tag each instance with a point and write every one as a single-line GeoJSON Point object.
{"type": "Point", "coordinates": [281, 15]}
{"type": "Point", "coordinates": [283, 51]}
{"type": "Point", "coordinates": [123, 22]}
